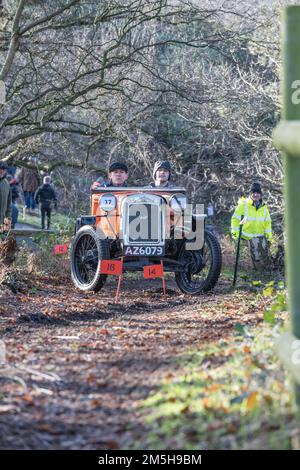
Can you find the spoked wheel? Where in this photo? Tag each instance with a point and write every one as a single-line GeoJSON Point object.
{"type": "Point", "coordinates": [87, 250]}
{"type": "Point", "coordinates": [202, 267]}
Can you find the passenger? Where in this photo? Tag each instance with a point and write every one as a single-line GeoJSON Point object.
{"type": "Point", "coordinates": [162, 175]}
{"type": "Point", "coordinates": [117, 176]}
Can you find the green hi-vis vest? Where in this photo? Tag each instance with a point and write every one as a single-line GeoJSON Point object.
{"type": "Point", "coordinates": [257, 221]}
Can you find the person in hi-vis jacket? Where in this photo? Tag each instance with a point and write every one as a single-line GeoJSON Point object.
{"type": "Point", "coordinates": [253, 213]}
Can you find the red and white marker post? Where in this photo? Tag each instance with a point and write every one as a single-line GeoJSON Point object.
{"type": "Point", "coordinates": [156, 270]}
{"type": "Point", "coordinates": [113, 268]}
{"type": "Point", "coordinates": [62, 250]}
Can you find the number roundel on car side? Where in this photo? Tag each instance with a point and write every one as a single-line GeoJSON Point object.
{"type": "Point", "coordinates": [108, 202]}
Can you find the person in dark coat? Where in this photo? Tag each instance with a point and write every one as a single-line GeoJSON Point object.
{"type": "Point", "coordinates": [14, 195]}
{"type": "Point", "coordinates": [5, 199]}
{"type": "Point", "coordinates": [30, 180]}
{"type": "Point", "coordinates": [46, 196]}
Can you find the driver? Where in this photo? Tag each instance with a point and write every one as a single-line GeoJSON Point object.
{"type": "Point", "coordinates": [117, 176]}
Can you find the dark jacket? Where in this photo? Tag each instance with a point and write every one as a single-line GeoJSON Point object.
{"type": "Point", "coordinates": [45, 195]}
{"type": "Point", "coordinates": [14, 190]}
{"type": "Point", "coordinates": [5, 200]}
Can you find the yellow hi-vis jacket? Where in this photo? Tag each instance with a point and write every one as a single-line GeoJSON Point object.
{"type": "Point", "coordinates": [257, 221]}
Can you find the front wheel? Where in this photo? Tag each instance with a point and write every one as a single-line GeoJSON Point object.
{"type": "Point", "coordinates": [87, 249]}
{"type": "Point", "coordinates": [201, 267]}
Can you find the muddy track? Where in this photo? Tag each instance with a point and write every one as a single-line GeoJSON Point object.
{"type": "Point", "coordinates": [78, 365]}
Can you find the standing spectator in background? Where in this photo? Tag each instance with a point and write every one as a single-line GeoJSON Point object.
{"type": "Point", "coordinates": [12, 171]}
{"type": "Point", "coordinates": [5, 199]}
{"type": "Point", "coordinates": [30, 180]}
{"type": "Point", "coordinates": [14, 196]}
{"type": "Point", "coordinates": [45, 195]}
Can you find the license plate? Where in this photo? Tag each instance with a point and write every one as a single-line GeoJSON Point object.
{"type": "Point", "coordinates": [144, 250]}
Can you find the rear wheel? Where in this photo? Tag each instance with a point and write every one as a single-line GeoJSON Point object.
{"type": "Point", "coordinates": [87, 249]}
{"type": "Point", "coordinates": [202, 267]}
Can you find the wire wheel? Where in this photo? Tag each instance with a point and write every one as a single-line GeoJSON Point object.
{"type": "Point", "coordinates": [87, 249]}
{"type": "Point", "coordinates": [202, 267]}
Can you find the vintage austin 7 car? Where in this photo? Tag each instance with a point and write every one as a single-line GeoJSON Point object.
{"type": "Point", "coordinates": [144, 226]}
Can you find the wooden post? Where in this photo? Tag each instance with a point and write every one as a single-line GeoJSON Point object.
{"type": "Point", "coordinates": [287, 139]}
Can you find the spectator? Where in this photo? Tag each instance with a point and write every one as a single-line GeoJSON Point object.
{"type": "Point", "coordinates": [14, 194]}
{"type": "Point", "coordinates": [30, 181]}
{"type": "Point", "coordinates": [12, 171]}
{"type": "Point", "coordinates": [45, 195]}
{"type": "Point", "coordinates": [5, 199]}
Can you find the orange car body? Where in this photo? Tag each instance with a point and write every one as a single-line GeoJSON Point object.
{"type": "Point", "coordinates": [110, 222]}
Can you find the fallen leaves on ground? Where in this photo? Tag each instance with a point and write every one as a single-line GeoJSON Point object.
{"type": "Point", "coordinates": [104, 358]}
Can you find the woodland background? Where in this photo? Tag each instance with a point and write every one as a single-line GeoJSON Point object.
{"type": "Point", "coordinates": [90, 82]}
{"type": "Point", "coordinates": [196, 82]}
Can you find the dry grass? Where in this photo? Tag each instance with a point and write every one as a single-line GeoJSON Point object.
{"type": "Point", "coordinates": [45, 262]}
{"type": "Point", "coordinates": [228, 248]}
